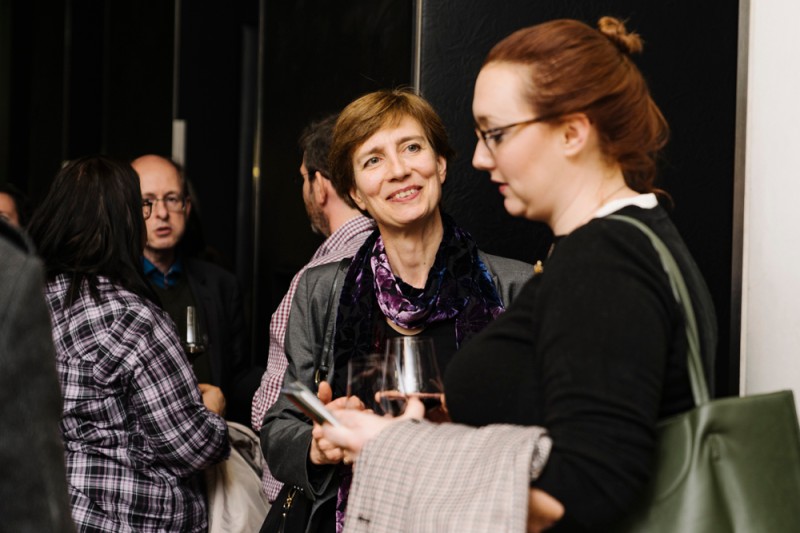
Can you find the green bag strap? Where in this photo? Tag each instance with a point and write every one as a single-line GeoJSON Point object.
{"type": "Point", "coordinates": [676, 281]}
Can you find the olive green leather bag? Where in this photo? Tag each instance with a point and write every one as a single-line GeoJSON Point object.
{"type": "Point", "coordinates": [728, 465]}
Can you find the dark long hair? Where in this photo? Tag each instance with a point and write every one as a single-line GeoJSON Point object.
{"type": "Point", "coordinates": [90, 224]}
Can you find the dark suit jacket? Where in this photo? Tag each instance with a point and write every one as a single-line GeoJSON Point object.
{"type": "Point", "coordinates": [220, 312]}
{"type": "Point", "coordinates": [33, 483]}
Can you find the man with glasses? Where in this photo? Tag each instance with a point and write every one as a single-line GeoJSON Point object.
{"type": "Point", "coordinates": [217, 348]}
{"type": "Point", "coordinates": [345, 228]}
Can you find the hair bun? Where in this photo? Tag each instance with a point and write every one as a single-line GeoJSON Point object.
{"type": "Point", "coordinates": [614, 29]}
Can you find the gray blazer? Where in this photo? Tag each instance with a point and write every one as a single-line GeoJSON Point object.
{"type": "Point", "coordinates": [286, 434]}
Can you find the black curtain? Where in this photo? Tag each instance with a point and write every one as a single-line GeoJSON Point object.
{"type": "Point", "coordinates": [689, 61]}
{"type": "Point", "coordinates": [319, 56]}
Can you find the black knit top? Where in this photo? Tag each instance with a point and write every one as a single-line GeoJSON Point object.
{"type": "Point", "coordinates": [594, 350]}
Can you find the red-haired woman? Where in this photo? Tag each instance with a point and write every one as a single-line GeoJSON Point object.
{"type": "Point", "coordinates": [593, 352]}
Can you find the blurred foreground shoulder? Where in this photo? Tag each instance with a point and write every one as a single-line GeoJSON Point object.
{"type": "Point", "coordinates": [33, 493]}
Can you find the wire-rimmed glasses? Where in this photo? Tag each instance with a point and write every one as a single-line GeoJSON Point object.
{"type": "Point", "coordinates": [174, 203]}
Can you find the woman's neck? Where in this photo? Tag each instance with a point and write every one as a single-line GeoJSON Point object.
{"type": "Point", "coordinates": [412, 250]}
{"type": "Point", "coordinates": [594, 190]}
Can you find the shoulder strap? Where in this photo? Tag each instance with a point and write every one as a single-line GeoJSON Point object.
{"type": "Point", "coordinates": [326, 362]}
{"type": "Point", "coordinates": [695, 365]}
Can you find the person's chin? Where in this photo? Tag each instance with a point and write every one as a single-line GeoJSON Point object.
{"type": "Point", "coordinates": [159, 245]}
{"type": "Point", "coordinates": [514, 207]}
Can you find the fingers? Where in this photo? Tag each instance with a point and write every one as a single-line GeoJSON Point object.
{"type": "Point", "coordinates": [346, 402]}
{"type": "Point", "coordinates": [414, 409]}
{"type": "Point", "coordinates": [323, 451]}
{"type": "Point", "coordinates": [341, 437]}
{"type": "Point", "coordinates": [354, 402]}
{"type": "Point", "coordinates": [324, 392]}
{"type": "Point", "coordinates": [337, 404]}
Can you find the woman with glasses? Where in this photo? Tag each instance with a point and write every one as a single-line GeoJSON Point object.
{"type": "Point", "coordinates": [594, 351]}
{"type": "Point", "coordinates": [417, 274]}
{"type": "Point", "coordinates": [136, 432]}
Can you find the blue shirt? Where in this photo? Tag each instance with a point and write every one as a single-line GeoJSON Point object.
{"type": "Point", "coordinates": [158, 278]}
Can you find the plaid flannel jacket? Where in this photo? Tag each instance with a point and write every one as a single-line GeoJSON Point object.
{"type": "Point", "coordinates": [136, 433]}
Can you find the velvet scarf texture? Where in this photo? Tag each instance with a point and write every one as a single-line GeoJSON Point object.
{"type": "Point", "coordinates": [459, 287]}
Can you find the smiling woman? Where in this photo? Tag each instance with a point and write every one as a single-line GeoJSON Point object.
{"type": "Point", "coordinates": [418, 273]}
{"type": "Point", "coordinates": [398, 181]}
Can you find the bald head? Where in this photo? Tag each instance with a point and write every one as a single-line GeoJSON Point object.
{"type": "Point", "coordinates": [155, 163]}
{"type": "Point", "coordinates": [162, 183]}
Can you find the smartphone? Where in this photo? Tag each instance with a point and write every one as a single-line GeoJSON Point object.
{"type": "Point", "coordinates": [307, 401]}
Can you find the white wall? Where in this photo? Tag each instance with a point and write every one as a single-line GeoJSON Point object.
{"type": "Point", "coordinates": [771, 263]}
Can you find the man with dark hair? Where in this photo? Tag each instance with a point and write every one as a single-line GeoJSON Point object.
{"type": "Point", "coordinates": [218, 346]}
{"type": "Point", "coordinates": [345, 228]}
{"type": "Point", "coordinates": [33, 486]}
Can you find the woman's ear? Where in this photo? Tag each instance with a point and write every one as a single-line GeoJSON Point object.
{"type": "Point", "coordinates": [441, 168]}
{"type": "Point", "coordinates": [576, 130]}
{"type": "Point", "coordinates": [357, 199]}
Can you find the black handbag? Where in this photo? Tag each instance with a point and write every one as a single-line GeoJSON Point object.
{"type": "Point", "coordinates": [291, 510]}
{"type": "Point", "coordinates": [728, 465]}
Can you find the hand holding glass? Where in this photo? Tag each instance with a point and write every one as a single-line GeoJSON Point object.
{"type": "Point", "coordinates": [364, 378]}
{"type": "Point", "coordinates": [410, 370]}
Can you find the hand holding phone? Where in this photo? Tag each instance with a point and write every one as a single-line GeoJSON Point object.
{"type": "Point", "coordinates": [307, 401]}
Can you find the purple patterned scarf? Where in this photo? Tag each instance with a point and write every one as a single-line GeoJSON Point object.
{"type": "Point", "coordinates": [459, 286]}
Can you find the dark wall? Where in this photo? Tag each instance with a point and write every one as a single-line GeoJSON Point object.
{"type": "Point", "coordinates": [97, 77]}
{"type": "Point", "coordinates": [689, 61]}
{"type": "Point", "coordinates": [83, 77]}
{"type": "Point", "coordinates": [35, 95]}
{"type": "Point", "coordinates": [86, 77]}
{"type": "Point", "coordinates": [319, 56]}
{"type": "Point", "coordinates": [210, 91]}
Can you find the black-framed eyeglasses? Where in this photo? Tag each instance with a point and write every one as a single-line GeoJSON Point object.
{"type": "Point", "coordinates": [174, 203]}
{"type": "Point", "coordinates": [494, 136]}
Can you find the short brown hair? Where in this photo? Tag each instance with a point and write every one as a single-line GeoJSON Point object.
{"type": "Point", "coordinates": [575, 68]}
{"type": "Point", "coordinates": [368, 114]}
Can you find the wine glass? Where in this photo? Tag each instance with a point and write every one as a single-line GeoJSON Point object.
{"type": "Point", "coordinates": [192, 346]}
{"type": "Point", "coordinates": [410, 370]}
{"type": "Point", "coordinates": [364, 378]}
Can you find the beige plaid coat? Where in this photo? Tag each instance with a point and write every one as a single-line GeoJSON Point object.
{"type": "Point", "coordinates": [422, 477]}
